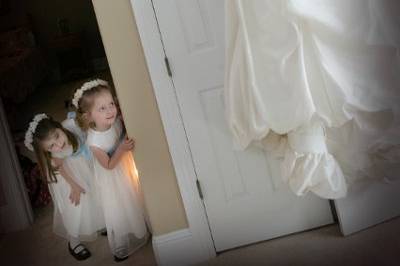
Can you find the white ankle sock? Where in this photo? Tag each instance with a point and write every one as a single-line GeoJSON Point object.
{"type": "Point", "coordinates": [73, 242]}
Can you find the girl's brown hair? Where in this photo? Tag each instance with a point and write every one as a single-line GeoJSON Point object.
{"type": "Point", "coordinates": [43, 130]}
{"type": "Point", "coordinates": [85, 105]}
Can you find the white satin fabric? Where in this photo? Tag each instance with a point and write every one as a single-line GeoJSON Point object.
{"type": "Point", "coordinates": [86, 219]}
{"type": "Point", "coordinates": [324, 77]}
{"type": "Point", "coordinates": [120, 194]}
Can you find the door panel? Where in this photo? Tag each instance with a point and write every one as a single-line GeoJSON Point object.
{"type": "Point", "coordinates": [244, 198]}
{"type": "Point", "coordinates": [368, 203]}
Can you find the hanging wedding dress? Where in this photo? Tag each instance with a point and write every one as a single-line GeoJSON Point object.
{"type": "Point", "coordinates": [317, 83]}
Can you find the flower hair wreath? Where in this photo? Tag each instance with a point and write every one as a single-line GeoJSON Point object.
{"type": "Point", "coordinates": [87, 86]}
{"type": "Point", "coordinates": [31, 130]}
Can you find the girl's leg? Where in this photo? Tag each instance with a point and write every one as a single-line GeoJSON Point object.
{"type": "Point", "coordinates": [74, 242]}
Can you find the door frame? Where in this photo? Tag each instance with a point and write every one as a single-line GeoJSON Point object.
{"type": "Point", "coordinates": [17, 213]}
{"type": "Point", "coordinates": [171, 118]}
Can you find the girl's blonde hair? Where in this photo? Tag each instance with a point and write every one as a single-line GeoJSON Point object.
{"type": "Point", "coordinates": [86, 102]}
{"type": "Point", "coordinates": [43, 130]}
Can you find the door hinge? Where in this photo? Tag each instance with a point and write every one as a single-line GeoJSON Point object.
{"type": "Point", "coordinates": [199, 189]}
{"type": "Point", "coordinates": [168, 66]}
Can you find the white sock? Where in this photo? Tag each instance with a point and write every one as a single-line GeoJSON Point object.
{"type": "Point", "coordinates": [73, 242]}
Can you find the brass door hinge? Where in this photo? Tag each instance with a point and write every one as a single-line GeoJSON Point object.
{"type": "Point", "coordinates": [168, 66]}
{"type": "Point", "coordinates": [199, 189]}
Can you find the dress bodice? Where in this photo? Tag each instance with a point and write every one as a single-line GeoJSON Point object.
{"type": "Point", "coordinates": [106, 140]}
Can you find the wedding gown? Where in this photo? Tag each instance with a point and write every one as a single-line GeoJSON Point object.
{"type": "Point", "coordinates": [320, 80]}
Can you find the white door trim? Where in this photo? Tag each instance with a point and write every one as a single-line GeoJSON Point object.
{"type": "Point", "coordinates": [177, 248]}
{"type": "Point", "coordinates": [173, 125]}
{"type": "Point", "coordinates": [17, 213]}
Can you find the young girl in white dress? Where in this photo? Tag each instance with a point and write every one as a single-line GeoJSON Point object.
{"type": "Point", "coordinates": [114, 168]}
{"type": "Point", "coordinates": [64, 161]}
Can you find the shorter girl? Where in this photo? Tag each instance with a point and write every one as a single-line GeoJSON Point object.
{"type": "Point", "coordinates": [114, 168]}
{"type": "Point", "coordinates": [64, 163]}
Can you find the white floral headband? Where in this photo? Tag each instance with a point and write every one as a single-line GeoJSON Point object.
{"type": "Point", "coordinates": [31, 130]}
{"type": "Point", "coordinates": [87, 86]}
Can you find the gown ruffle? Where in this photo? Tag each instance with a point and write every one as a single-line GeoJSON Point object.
{"type": "Point", "coordinates": [293, 63]}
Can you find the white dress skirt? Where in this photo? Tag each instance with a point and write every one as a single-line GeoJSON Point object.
{"type": "Point", "coordinates": [120, 194]}
{"type": "Point", "coordinates": [324, 76]}
{"type": "Point", "coordinates": [86, 219]}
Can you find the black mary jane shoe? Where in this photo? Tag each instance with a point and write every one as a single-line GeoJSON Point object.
{"type": "Point", "coordinates": [118, 259]}
{"type": "Point", "coordinates": [81, 255]}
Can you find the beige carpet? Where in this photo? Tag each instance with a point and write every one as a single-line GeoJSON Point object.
{"type": "Point", "coordinates": [376, 246]}
{"type": "Point", "coordinates": [379, 245]}
{"type": "Point", "coordinates": [39, 246]}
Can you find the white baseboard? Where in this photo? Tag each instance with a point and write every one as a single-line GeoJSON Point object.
{"type": "Point", "coordinates": [178, 248]}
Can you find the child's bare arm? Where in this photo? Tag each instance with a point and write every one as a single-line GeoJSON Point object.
{"type": "Point", "coordinates": [76, 189]}
{"type": "Point", "coordinates": [110, 162]}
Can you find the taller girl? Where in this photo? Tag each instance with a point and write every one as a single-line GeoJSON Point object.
{"type": "Point", "coordinates": [114, 168]}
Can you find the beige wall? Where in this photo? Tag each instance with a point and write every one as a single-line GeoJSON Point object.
{"type": "Point", "coordinates": [142, 118]}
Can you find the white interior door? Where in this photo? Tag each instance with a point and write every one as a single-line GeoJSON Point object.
{"type": "Point", "coordinates": [15, 209]}
{"type": "Point", "coordinates": [243, 196]}
{"type": "Point", "coordinates": [368, 203]}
